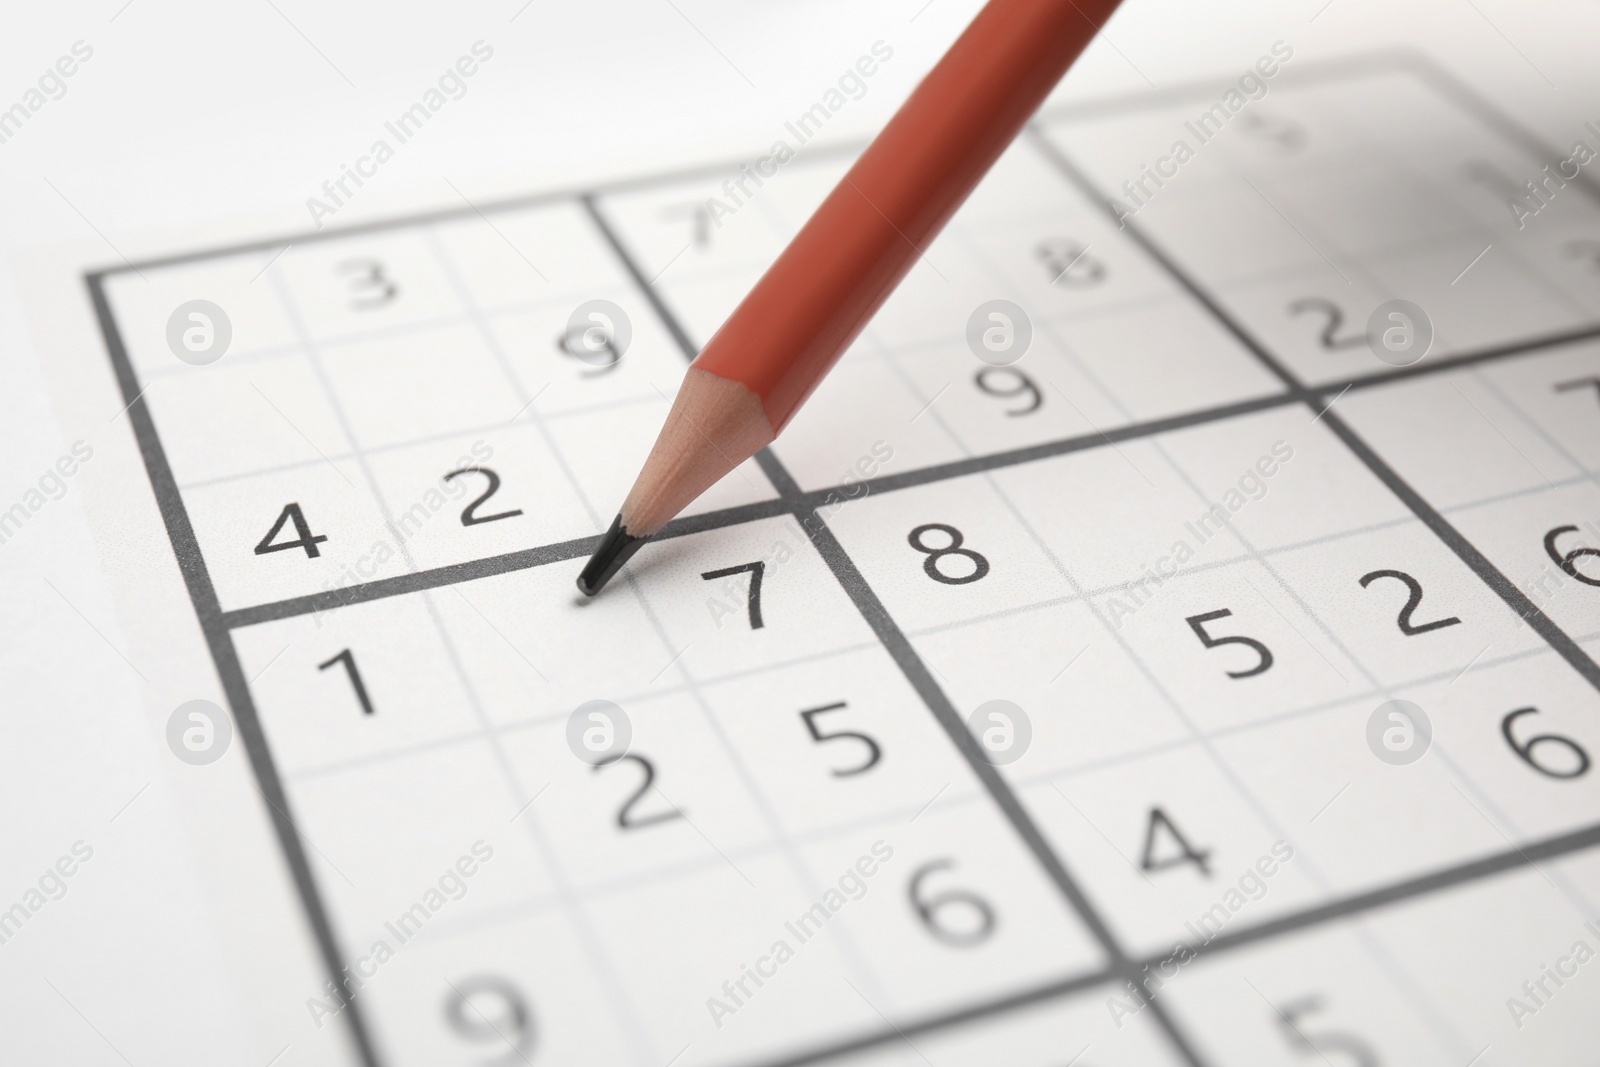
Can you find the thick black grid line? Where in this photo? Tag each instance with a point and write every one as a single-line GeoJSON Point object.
{"type": "Point", "coordinates": [219, 639]}
{"type": "Point", "coordinates": [216, 624]}
{"type": "Point", "coordinates": [905, 657]}
{"type": "Point", "coordinates": [1491, 575]}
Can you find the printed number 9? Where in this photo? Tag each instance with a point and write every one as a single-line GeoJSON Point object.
{"type": "Point", "coordinates": [489, 1009]}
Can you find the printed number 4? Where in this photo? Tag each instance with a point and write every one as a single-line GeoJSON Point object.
{"type": "Point", "coordinates": [291, 515]}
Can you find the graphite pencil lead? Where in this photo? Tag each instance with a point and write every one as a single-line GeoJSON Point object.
{"type": "Point", "coordinates": [615, 549]}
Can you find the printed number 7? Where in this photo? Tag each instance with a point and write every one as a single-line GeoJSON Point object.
{"type": "Point", "coordinates": [1197, 623]}
{"type": "Point", "coordinates": [753, 601]}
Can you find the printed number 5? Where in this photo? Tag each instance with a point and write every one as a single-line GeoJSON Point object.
{"type": "Point", "coordinates": [1197, 623]}
{"type": "Point", "coordinates": [1357, 1051]}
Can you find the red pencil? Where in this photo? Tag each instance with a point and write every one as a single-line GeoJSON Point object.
{"type": "Point", "coordinates": [747, 383]}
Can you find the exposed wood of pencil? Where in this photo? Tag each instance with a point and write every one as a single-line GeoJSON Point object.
{"type": "Point", "coordinates": [818, 295]}
{"type": "Point", "coordinates": [715, 424]}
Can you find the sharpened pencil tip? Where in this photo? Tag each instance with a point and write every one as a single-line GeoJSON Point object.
{"type": "Point", "coordinates": [615, 549]}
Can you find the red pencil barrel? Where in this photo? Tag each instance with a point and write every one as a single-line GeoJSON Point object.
{"type": "Point", "coordinates": [843, 264]}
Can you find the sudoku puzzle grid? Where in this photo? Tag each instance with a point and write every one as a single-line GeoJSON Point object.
{"type": "Point", "coordinates": [380, 497]}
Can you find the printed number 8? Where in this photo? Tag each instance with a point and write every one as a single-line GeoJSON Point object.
{"type": "Point", "coordinates": [930, 566]}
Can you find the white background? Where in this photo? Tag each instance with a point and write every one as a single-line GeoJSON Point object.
{"type": "Point", "coordinates": [196, 123]}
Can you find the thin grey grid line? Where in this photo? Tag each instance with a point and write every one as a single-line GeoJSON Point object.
{"type": "Point", "coordinates": [699, 522]}
{"type": "Point", "coordinates": [336, 405]}
{"type": "Point", "coordinates": [620, 1002]}
{"type": "Point", "coordinates": [776, 828]}
{"type": "Point", "coordinates": [337, 339]}
{"type": "Point", "coordinates": [912, 666]}
{"type": "Point", "coordinates": [1434, 1017]}
{"type": "Point", "coordinates": [1398, 972]}
{"type": "Point", "coordinates": [486, 333]}
{"type": "Point", "coordinates": [498, 426]}
{"type": "Point", "coordinates": [603, 889]}
{"type": "Point", "coordinates": [629, 1017]}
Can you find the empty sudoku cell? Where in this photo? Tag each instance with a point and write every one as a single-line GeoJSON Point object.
{"type": "Point", "coordinates": [1453, 440]}
{"type": "Point", "coordinates": [1120, 152]}
{"type": "Point", "coordinates": [360, 285]}
{"type": "Point", "coordinates": [539, 344]}
{"type": "Point", "coordinates": [1306, 998]}
{"type": "Point", "coordinates": [535, 648]}
{"type": "Point", "coordinates": [1403, 604]}
{"type": "Point", "coordinates": [1169, 850]}
{"type": "Point", "coordinates": [524, 985]}
{"type": "Point", "coordinates": [1221, 231]}
{"type": "Point", "coordinates": [229, 420]}
{"type": "Point", "coordinates": [1146, 518]}
{"type": "Point", "coordinates": [144, 307]}
{"type": "Point", "coordinates": [701, 304]}
{"type": "Point", "coordinates": [1474, 302]}
{"type": "Point", "coordinates": [1232, 645]}
{"type": "Point", "coordinates": [1563, 246]}
{"type": "Point", "coordinates": [1079, 1029]}
{"type": "Point", "coordinates": [1519, 988]}
{"type": "Point", "coordinates": [747, 597]}
{"type": "Point", "coordinates": [381, 834]}
{"type": "Point", "coordinates": [674, 800]}
{"type": "Point", "coordinates": [470, 497]}
{"type": "Point", "coordinates": [1277, 478]}
{"type": "Point", "coordinates": [423, 383]}
{"type": "Point", "coordinates": [1086, 700]}
{"type": "Point", "coordinates": [685, 948]}
{"type": "Point", "coordinates": [957, 911]}
{"type": "Point", "coordinates": [355, 681]}
{"type": "Point", "coordinates": [1045, 396]}
{"type": "Point", "coordinates": [947, 552]}
{"type": "Point", "coordinates": [864, 420]}
{"type": "Point", "coordinates": [605, 449]}
{"type": "Point", "coordinates": [839, 743]}
{"type": "Point", "coordinates": [938, 296]}
{"type": "Point", "coordinates": [289, 533]}
{"type": "Point", "coordinates": [1024, 182]}
{"type": "Point", "coordinates": [1368, 205]}
{"type": "Point", "coordinates": [1131, 354]}
{"type": "Point", "coordinates": [509, 259]}
{"type": "Point", "coordinates": [1359, 820]}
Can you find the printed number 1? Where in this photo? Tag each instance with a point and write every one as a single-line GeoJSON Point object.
{"type": "Point", "coordinates": [349, 660]}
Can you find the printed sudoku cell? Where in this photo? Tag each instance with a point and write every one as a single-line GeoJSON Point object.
{"type": "Point", "coordinates": [1173, 693]}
